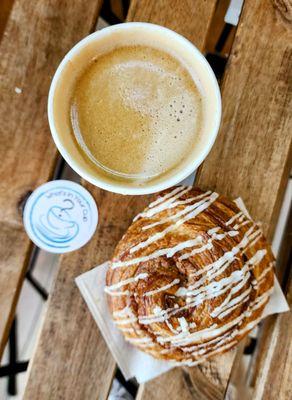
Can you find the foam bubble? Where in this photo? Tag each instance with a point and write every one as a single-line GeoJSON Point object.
{"type": "Point", "coordinates": [136, 111]}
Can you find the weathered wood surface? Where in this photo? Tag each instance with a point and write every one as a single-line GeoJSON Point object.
{"type": "Point", "coordinates": [14, 253]}
{"type": "Point", "coordinates": [36, 37]}
{"type": "Point", "coordinates": [191, 19]}
{"type": "Point", "coordinates": [72, 361]}
{"type": "Point", "coordinates": [207, 382]}
{"type": "Point", "coordinates": [274, 374]}
{"type": "Point", "coordinates": [271, 370]}
{"type": "Point", "coordinates": [5, 8]}
{"type": "Point", "coordinates": [68, 368]}
{"type": "Point", "coordinates": [251, 156]}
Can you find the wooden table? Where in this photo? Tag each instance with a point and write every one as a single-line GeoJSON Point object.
{"type": "Point", "coordinates": [251, 159]}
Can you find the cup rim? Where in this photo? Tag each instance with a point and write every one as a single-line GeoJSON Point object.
{"type": "Point", "coordinates": [118, 187]}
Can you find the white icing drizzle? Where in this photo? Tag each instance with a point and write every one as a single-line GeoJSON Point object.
{"type": "Point", "coordinates": [257, 237]}
{"type": "Point", "coordinates": [259, 302]}
{"type": "Point", "coordinates": [218, 337]}
{"type": "Point", "coordinates": [165, 203]}
{"type": "Point", "coordinates": [150, 344]}
{"type": "Point", "coordinates": [227, 257]}
{"type": "Point", "coordinates": [183, 324]}
{"type": "Point", "coordinates": [257, 258]}
{"type": "Point", "coordinates": [169, 252]}
{"type": "Point", "coordinates": [190, 349]}
{"type": "Point", "coordinates": [125, 321]}
{"type": "Point", "coordinates": [203, 293]}
{"type": "Point", "coordinates": [170, 203]}
{"type": "Point", "coordinates": [125, 312]}
{"type": "Point", "coordinates": [189, 200]}
{"type": "Point", "coordinates": [234, 218]}
{"type": "Point", "coordinates": [180, 213]}
{"type": "Point", "coordinates": [144, 339]}
{"type": "Point", "coordinates": [162, 288]}
{"type": "Point", "coordinates": [124, 293]}
{"type": "Point", "coordinates": [124, 316]}
{"type": "Point", "coordinates": [224, 305]}
{"type": "Point", "coordinates": [171, 327]}
{"type": "Point", "coordinates": [238, 301]}
{"type": "Point", "coordinates": [215, 287]}
{"type": "Point", "coordinates": [167, 196]}
{"type": "Point", "coordinates": [174, 226]}
{"type": "Point", "coordinates": [191, 363]}
{"type": "Point", "coordinates": [261, 278]}
{"type": "Point", "coordinates": [110, 289]}
{"type": "Point", "coordinates": [209, 244]}
{"type": "Point", "coordinates": [163, 315]}
{"type": "Point", "coordinates": [165, 351]}
{"type": "Point", "coordinates": [202, 351]}
{"type": "Point", "coordinates": [237, 226]}
{"type": "Point", "coordinates": [128, 330]}
{"type": "Point", "coordinates": [183, 339]}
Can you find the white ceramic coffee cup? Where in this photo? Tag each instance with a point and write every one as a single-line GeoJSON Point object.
{"type": "Point", "coordinates": [103, 41]}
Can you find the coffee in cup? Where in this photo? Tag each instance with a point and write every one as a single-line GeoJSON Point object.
{"type": "Point", "coordinates": [129, 106]}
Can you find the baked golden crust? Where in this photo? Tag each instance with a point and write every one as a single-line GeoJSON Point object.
{"type": "Point", "coordinates": [191, 276]}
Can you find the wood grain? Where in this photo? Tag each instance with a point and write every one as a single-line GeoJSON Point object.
{"type": "Point", "coordinates": [171, 386]}
{"type": "Point", "coordinates": [14, 253]}
{"type": "Point", "coordinates": [61, 333]}
{"type": "Point", "coordinates": [209, 380]}
{"type": "Point", "coordinates": [274, 328]}
{"type": "Point", "coordinates": [191, 19]}
{"type": "Point", "coordinates": [252, 154]}
{"type": "Point", "coordinates": [5, 9]}
{"type": "Point", "coordinates": [274, 378]}
{"type": "Point", "coordinates": [36, 37]}
{"type": "Point", "coordinates": [72, 360]}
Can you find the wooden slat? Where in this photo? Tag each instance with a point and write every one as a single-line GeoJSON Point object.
{"type": "Point", "coordinates": [63, 349]}
{"type": "Point", "coordinates": [72, 359]}
{"type": "Point", "coordinates": [251, 156]}
{"type": "Point", "coordinates": [14, 252]}
{"type": "Point", "coordinates": [274, 351]}
{"type": "Point", "coordinates": [191, 19]}
{"type": "Point", "coordinates": [37, 36]}
{"type": "Point", "coordinates": [207, 382]}
{"type": "Point", "coordinates": [5, 8]}
{"type": "Point", "coordinates": [274, 379]}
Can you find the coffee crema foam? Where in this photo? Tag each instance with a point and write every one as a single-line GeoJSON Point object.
{"type": "Point", "coordinates": [136, 112]}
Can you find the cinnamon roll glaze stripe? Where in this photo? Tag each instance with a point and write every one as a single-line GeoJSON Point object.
{"type": "Point", "coordinates": [190, 277]}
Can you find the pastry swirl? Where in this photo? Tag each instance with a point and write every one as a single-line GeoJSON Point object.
{"type": "Point", "coordinates": [191, 276]}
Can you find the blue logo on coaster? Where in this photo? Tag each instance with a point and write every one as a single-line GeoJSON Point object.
{"type": "Point", "coordinates": [57, 224]}
{"type": "Point", "coordinates": [60, 216]}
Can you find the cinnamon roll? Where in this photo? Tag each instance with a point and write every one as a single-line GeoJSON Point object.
{"type": "Point", "coordinates": [191, 276]}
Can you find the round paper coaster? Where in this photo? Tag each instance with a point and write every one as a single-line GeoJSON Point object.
{"type": "Point", "coordinates": [60, 216]}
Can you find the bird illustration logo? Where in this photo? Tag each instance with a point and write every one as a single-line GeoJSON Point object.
{"type": "Point", "coordinates": [57, 225]}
